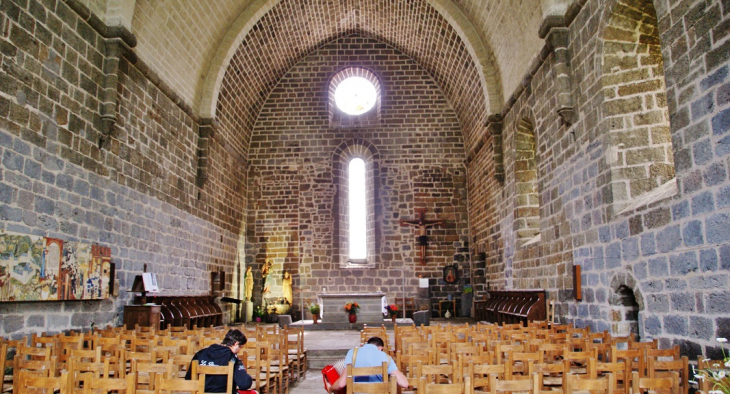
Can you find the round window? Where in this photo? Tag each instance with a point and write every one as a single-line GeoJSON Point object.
{"type": "Point", "coordinates": [355, 95]}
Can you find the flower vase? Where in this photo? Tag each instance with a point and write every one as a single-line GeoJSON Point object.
{"type": "Point", "coordinates": [392, 318]}
{"type": "Point", "coordinates": [352, 317]}
{"type": "Point", "coordinates": [315, 317]}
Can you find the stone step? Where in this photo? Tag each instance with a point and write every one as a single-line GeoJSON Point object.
{"type": "Point", "coordinates": [318, 359]}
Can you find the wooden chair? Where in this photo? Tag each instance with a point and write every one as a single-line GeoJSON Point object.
{"type": "Point", "coordinates": [505, 385]}
{"type": "Point", "coordinates": [28, 383]}
{"type": "Point", "coordinates": [548, 376]}
{"type": "Point", "coordinates": [387, 386]}
{"type": "Point", "coordinates": [658, 369]}
{"type": "Point", "coordinates": [439, 373]}
{"type": "Point", "coordinates": [94, 384]}
{"type": "Point", "coordinates": [146, 373]}
{"type": "Point", "coordinates": [169, 386]}
{"type": "Point", "coordinates": [621, 375]}
{"type": "Point", "coordinates": [666, 385]}
{"type": "Point", "coordinates": [31, 358]}
{"type": "Point", "coordinates": [463, 387]}
{"type": "Point", "coordinates": [258, 367]}
{"type": "Point", "coordinates": [634, 358]}
{"type": "Point", "coordinates": [575, 383]}
{"type": "Point", "coordinates": [518, 364]}
{"type": "Point", "coordinates": [227, 370]}
{"type": "Point", "coordinates": [180, 364]}
{"type": "Point", "coordinates": [479, 374]}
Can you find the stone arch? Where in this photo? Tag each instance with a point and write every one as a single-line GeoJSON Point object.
{"type": "Point", "coordinates": [626, 303]}
{"type": "Point", "coordinates": [346, 151]}
{"type": "Point", "coordinates": [208, 90]}
{"type": "Point", "coordinates": [636, 126]}
{"type": "Point", "coordinates": [527, 198]}
{"type": "Point", "coordinates": [337, 118]}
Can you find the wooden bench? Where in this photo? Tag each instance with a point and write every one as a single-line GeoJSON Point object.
{"type": "Point", "coordinates": [188, 311]}
{"type": "Point", "coordinates": [512, 306]}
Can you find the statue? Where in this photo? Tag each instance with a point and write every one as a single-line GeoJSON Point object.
{"type": "Point", "coordinates": [286, 287]}
{"type": "Point", "coordinates": [248, 289]}
{"type": "Point", "coordinates": [265, 271]}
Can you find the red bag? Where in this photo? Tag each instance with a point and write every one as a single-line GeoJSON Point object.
{"type": "Point", "coordinates": [330, 375]}
{"type": "Point", "coordinates": [248, 392]}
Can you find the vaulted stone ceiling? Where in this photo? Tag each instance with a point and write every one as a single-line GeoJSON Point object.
{"type": "Point", "coordinates": [477, 50]}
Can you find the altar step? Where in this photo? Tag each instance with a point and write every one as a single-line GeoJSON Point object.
{"type": "Point", "coordinates": [323, 326]}
{"type": "Point", "coordinates": [318, 359]}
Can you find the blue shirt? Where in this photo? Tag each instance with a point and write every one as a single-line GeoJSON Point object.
{"type": "Point", "coordinates": [370, 356]}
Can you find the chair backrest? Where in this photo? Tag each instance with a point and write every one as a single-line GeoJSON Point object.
{"type": "Point", "coordinates": [168, 386]}
{"type": "Point", "coordinates": [147, 372]}
{"type": "Point", "coordinates": [657, 368]}
{"type": "Point", "coordinates": [666, 385]}
{"type": "Point", "coordinates": [180, 365]}
{"type": "Point", "coordinates": [595, 386]}
{"type": "Point", "coordinates": [385, 387]}
{"type": "Point", "coordinates": [503, 385]}
{"type": "Point", "coordinates": [446, 388]}
{"type": "Point", "coordinates": [208, 370]}
{"type": "Point", "coordinates": [30, 382]}
{"type": "Point", "coordinates": [95, 384]}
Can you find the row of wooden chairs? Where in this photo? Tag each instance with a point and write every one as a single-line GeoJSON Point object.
{"type": "Point", "coordinates": [273, 358]}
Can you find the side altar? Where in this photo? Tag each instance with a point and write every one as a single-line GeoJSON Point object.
{"type": "Point", "coordinates": [371, 307]}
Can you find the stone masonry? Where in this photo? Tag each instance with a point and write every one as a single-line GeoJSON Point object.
{"type": "Point", "coordinates": [193, 149]}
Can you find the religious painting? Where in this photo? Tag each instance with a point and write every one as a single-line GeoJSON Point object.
{"type": "Point", "coordinates": [450, 274]}
{"type": "Point", "coordinates": [35, 268]}
{"type": "Point", "coordinates": [25, 273]}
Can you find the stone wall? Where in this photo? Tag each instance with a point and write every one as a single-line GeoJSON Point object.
{"type": "Point", "coordinates": [672, 253]}
{"type": "Point", "coordinates": [137, 195]}
{"type": "Point", "coordinates": [293, 192]}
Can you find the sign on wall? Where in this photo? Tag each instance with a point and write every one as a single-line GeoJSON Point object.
{"type": "Point", "coordinates": [35, 268]}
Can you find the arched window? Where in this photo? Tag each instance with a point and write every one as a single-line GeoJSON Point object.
{"type": "Point", "coordinates": [356, 232]}
{"type": "Point", "coordinates": [527, 202]}
{"type": "Point", "coordinates": [357, 209]}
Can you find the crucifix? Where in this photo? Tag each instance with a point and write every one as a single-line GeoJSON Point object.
{"type": "Point", "coordinates": [422, 224]}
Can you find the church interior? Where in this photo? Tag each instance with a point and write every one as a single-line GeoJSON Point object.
{"type": "Point", "coordinates": [154, 150]}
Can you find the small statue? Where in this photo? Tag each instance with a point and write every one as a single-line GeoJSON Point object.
{"type": "Point", "coordinates": [248, 289]}
{"type": "Point", "coordinates": [265, 271]}
{"type": "Point", "coordinates": [286, 287]}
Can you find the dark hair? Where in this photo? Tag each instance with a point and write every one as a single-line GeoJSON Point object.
{"type": "Point", "coordinates": [234, 336]}
{"type": "Point", "coordinates": [376, 341]}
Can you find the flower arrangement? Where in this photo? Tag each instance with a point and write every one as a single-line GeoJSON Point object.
{"type": "Point", "coordinates": [314, 308]}
{"type": "Point", "coordinates": [392, 309]}
{"type": "Point", "coordinates": [718, 375]}
{"type": "Point", "coordinates": [352, 308]}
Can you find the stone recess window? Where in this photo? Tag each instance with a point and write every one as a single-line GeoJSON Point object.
{"type": "Point", "coordinates": [527, 202]}
{"type": "Point", "coordinates": [639, 152]}
{"type": "Point", "coordinates": [356, 230]}
{"type": "Point", "coordinates": [354, 98]}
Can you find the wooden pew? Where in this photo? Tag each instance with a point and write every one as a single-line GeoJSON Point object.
{"type": "Point", "coordinates": [188, 311]}
{"type": "Point", "coordinates": [512, 306]}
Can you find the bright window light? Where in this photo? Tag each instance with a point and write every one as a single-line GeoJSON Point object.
{"type": "Point", "coordinates": [355, 95]}
{"type": "Point", "coordinates": [358, 210]}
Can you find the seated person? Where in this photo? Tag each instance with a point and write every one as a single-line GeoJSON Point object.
{"type": "Point", "coordinates": [370, 355]}
{"type": "Point", "coordinates": [219, 355]}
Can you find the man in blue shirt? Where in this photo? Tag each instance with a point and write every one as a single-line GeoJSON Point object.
{"type": "Point", "coordinates": [370, 355]}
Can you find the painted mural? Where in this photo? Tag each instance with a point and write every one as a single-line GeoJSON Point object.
{"type": "Point", "coordinates": [35, 268]}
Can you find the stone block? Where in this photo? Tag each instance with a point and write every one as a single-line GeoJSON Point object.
{"type": "Point", "coordinates": [715, 174]}
{"type": "Point", "coordinates": [723, 146]}
{"type": "Point", "coordinates": [721, 122]}
{"type": "Point", "coordinates": [692, 233]}
{"type": "Point", "coordinates": [676, 325]}
{"type": "Point", "coordinates": [284, 320]}
{"type": "Point", "coordinates": [718, 303]}
{"type": "Point", "coordinates": [12, 323]}
{"type": "Point", "coordinates": [422, 318]}
{"type": "Point", "coordinates": [683, 264]}
{"type": "Point", "coordinates": [668, 239]}
{"type": "Point", "coordinates": [703, 106]}
{"type": "Point", "coordinates": [683, 302]}
{"type": "Point", "coordinates": [702, 151]}
{"type": "Point", "coordinates": [725, 257]}
{"type": "Point", "coordinates": [648, 244]}
{"type": "Point", "coordinates": [718, 228]}
{"type": "Point", "coordinates": [658, 267]}
{"type": "Point", "coordinates": [13, 161]}
{"type": "Point", "coordinates": [708, 260]}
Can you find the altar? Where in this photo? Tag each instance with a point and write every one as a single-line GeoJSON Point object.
{"type": "Point", "coordinates": [333, 307]}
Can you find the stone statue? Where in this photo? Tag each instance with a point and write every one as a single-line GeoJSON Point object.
{"type": "Point", "coordinates": [248, 289]}
{"type": "Point", "coordinates": [286, 287]}
{"type": "Point", "coordinates": [265, 271]}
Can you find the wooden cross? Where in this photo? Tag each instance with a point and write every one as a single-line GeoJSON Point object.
{"type": "Point", "coordinates": [422, 225]}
